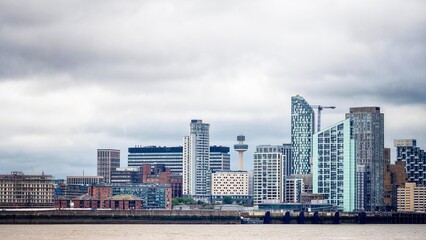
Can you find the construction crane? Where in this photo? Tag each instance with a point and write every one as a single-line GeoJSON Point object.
{"type": "Point", "coordinates": [320, 108]}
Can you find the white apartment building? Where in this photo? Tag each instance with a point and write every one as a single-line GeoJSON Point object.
{"type": "Point", "coordinates": [196, 172]}
{"type": "Point", "coordinates": [230, 183]}
{"type": "Point", "coordinates": [268, 174]}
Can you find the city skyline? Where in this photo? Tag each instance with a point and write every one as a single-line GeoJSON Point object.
{"type": "Point", "coordinates": [85, 76]}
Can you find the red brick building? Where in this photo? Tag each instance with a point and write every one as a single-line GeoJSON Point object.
{"type": "Point", "coordinates": [86, 201]}
{"type": "Point", "coordinates": [123, 202]}
{"type": "Point", "coordinates": [162, 175]}
{"type": "Point", "coordinates": [100, 192]}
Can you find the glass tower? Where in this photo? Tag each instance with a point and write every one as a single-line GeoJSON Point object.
{"type": "Point", "coordinates": [302, 129]}
{"type": "Point", "coordinates": [368, 132]}
{"type": "Point", "coordinates": [334, 167]}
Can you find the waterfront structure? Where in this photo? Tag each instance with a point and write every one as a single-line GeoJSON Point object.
{"type": "Point", "coordinates": [18, 190]}
{"type": "Point", "coordinates": [126, 175]}
{"type": "Point", "coordinates": [268, 174]}
{"type": "Point", "coordinates": [108, 161]}
{"type": "Point", "coordinates": [241, 148]}
{"type": "Point", "coordinates": [154, 196]}
{"type": "Point", "coordinates": [86, 201]}
{"type": "Point", "coordinates": [220, 159]}
{"type": "Point", "coordinates": [84, 180]}
{"type": "Point", "coordinates": [123, 202]}
{"type": "Point", "coordinates": [196, 161]}
{"type": "Point", "coordinates": [368, 132]}
{"type": "Point", "coordinates": [232, 184]}
{"type": "Point", "coordinates": [412, 198]}
{"type": "Point", "coordinates": [414, 159]}
{"type": "Point", "coordinates": [171, 157]}
{"type": "Point", "coordinates": [334, 165]}
{"type": "Point", "coordinates": [302, 129]}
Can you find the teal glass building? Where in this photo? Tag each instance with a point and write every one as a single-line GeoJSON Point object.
{"type": "Point", "coordinates": [302, 129]}
{"type": "Point", "coordinates": [334, 165]}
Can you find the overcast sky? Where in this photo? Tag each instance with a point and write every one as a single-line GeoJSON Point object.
{"type": "Point", "coordinates": [80, 75]}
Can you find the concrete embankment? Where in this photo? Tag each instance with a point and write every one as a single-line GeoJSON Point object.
{"type": "Point", "coordinates": [339, 218]}
{"type": "Point", "coordinates": [120, 217]}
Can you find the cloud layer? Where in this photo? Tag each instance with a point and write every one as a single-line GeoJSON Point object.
{"type": "Point", "coordinates": [76, 75]}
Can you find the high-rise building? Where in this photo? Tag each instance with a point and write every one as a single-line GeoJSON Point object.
{"type": "Point", "coordinates": [171, 157]}
{"type": "Point", "coordinates": [220, 159]}
{"type": "Point", "coordinates": [302, 129]}
{"type": "Point", "coordinates": [196, 160]}
{"type": "Point", "coordinates": [414, 158]}
{"type": "Point", "coordinates": [108, 160]}
{"type": "Point", "coordinates": [334, 165]}
{"type": "Point", "coordinates": [368, 132]}
{"type": "Point", "coordinates": [268, 174]}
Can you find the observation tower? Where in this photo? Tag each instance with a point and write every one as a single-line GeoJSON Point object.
{"type": "Point", "coordinates": [241, 148]}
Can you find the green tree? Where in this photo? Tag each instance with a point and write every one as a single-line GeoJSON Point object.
{"type": "Point", "coordinates": [227, 200]}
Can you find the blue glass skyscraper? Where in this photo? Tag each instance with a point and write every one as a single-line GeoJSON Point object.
{"type": "Point", "coordinates": [302, 129]}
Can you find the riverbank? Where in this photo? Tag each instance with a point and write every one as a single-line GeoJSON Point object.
{"type": "Point", "coordinates": [203, 217]}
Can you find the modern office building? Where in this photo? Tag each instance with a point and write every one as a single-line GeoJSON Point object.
{"type": "Point", "coordinates": [268, 174]}
{"type": "Point", "coordinates": [171, 157]}
{"type": "Point", "coordinates": [302, 129]}
{"type": "Point", "coordinates": [334, 165]}
{"type": "Point", "coordinates": [196, 161]}
{"type": "Point", "coordinates": [108, 160]}
{"type": "Point", "coordinates": [18, 190]}
{"type": "Point", "coordinates": [368, 132]}
{"type": "Point", "coordinates": [233, 184]}
{"type": "Point", "coordinates": [412, 198]}
{"type": "Point", "coordinates": [414, 158]}
{"type": "Point", "coordinates": [220, 159]}
{"type": "Point", "coordinates": [126, 175]}
{"type": "Point", "coordinates": [84, 180]}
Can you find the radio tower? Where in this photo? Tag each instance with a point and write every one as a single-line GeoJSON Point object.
{"type": "Point", "coordinates": [240, 148]}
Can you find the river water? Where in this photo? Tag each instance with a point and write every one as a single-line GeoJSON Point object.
{"type": "Point", "coordinates": [210, 232]}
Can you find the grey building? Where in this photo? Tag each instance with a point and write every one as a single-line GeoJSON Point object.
{"type": "Point", "coordinates": [107, 161]}
{"type": "Point", "coordinates": [368, 132]}
{"type": "Point", "coordinates": [414, 158]}
{"type": "Point", "coordinates": [302, 129]}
